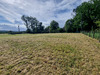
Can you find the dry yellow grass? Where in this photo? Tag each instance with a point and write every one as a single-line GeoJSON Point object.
{"type": "Point", "coordinates": [49, 54]}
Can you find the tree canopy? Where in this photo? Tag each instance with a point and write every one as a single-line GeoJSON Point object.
{"type": "Point", "coordinates": [54, 26]}
{"type": "Point", "coordinates": [32, 24]}
{"type": "Point", "coordinates": [86, 16]}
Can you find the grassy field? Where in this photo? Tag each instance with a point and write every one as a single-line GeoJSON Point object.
{"type": "Point", "coordinates": [49, 54]}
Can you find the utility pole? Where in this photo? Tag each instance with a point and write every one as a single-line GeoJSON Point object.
{"type": "Point", "coordinates": [18, 29]}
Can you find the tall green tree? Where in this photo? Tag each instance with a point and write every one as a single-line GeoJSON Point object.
{"type": "Point", "coordinates": [32, 24]}
{"type": "Point", "coordinates": [40, 28]}
{"type": "Point", "coordinates": [54, 26]}
{"type": "Point", "coordinates": [47, 29]}
{"type": "Point", "coordinates": [69, 27]}
{"type": "Point", "coordinates": [86, 18]}
{"type": "Point", "coordinates": [25, 19]}
{"type": "Point", "coordinates": [96, 7]}
{"type": "Point", "coordinates": [87, 14]}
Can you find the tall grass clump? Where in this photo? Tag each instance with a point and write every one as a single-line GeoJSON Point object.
{"type": "Point", "coordinates": [94, 34]}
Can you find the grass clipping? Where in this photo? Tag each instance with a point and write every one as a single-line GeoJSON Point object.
{"type": "Point", "coordinates": [49, 54]}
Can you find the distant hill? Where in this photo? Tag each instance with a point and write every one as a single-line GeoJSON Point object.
{"type": "Point", "coordinates": [11, 32]}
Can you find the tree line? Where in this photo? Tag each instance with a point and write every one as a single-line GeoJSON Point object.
{"type": "Point", "coordinates": [34, 26]}
{"type": "Point", "coordinates": [86, 18]}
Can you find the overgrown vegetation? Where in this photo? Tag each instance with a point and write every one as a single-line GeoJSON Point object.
{"type": "Point", "coordinates": [94, 34]}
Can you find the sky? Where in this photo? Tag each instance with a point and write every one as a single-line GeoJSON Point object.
{"type": "Point", "coordinates": [44, 10]}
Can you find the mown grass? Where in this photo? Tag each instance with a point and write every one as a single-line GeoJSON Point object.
{"type": "Point", "coordinates": [49, 54]}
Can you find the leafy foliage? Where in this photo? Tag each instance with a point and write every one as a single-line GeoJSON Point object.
{"type": "Point", "coordinates": [86, 16]}
{"type": "Point", "coordinates": [32, 24]}
{"type": "Point", "coordinates": [98, 23]}
{"type": "Point", "coordinates": [54, 26]}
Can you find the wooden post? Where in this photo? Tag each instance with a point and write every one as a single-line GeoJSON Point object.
{"type": "Point", "coordinates": [93, 34]}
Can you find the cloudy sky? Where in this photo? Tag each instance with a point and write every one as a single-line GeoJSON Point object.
{"type": "Point", "coordinates": [44, 10]}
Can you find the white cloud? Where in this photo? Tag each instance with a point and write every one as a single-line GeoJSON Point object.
{"type": "Point", "coordinates": [44, 10]}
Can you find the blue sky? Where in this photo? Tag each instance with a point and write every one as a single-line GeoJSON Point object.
{"type": "Point", "coordinates": [44, 10]}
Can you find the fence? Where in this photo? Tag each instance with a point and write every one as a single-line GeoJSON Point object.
{"type": "Point", "coordinates": [94, 34]}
